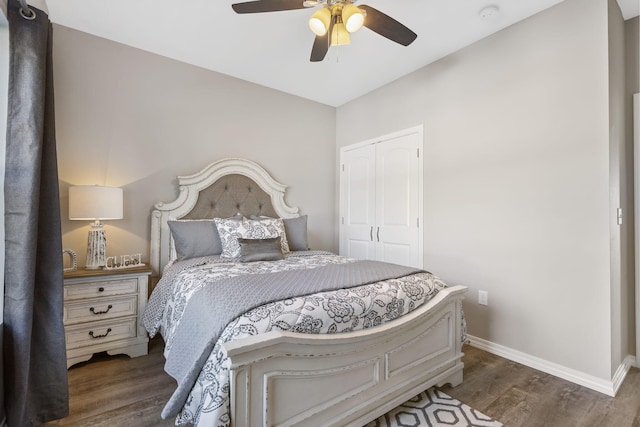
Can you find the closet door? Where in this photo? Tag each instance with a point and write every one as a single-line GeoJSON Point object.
{"type": "Point", "coordinates": [398, 230]}
{"type": "Point", "coordinates": [357, 204]}
{"type": "Point", "coordinates": [381, 199]}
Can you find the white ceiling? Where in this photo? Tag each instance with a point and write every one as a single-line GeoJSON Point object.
{"type": "Point", "coordinates": [272, 49]}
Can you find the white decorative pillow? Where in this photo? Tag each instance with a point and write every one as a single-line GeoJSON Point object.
{"type": "Point", "coordinates": [230, 231]}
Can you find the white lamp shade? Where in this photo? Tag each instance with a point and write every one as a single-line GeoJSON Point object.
{"type": "Point", "coordinates": [93, 202]}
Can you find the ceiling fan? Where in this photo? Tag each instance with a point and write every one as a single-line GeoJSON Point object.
{"type": "Point", "coordinates": [333, 23]}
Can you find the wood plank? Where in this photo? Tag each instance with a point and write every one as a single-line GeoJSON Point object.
{"type": "Point", "coordinates": [518, 396]}
{"type": "Point", "coordinates": [118, 390]}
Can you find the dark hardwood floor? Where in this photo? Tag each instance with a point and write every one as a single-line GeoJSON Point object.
{"type": "Point", "coordinates": [519, 396]}
{"type": "Point", "coordinates": [119, 391]}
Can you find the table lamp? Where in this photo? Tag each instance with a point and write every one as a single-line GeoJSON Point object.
{"type": "Point", "coordinates": [95, 203]}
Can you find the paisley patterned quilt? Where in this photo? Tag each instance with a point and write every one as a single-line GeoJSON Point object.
{"type": "Point", "coordinates": [326, 312]}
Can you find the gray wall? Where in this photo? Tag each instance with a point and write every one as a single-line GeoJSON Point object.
{"type": "Point", "coordinates": [632, 77]}
{"type": "Point", "coordinates": [136, 120]}
{"type": "Point", "coordinates": [517, 179]}
{"type": "Point", "coordinates": [621, 235]}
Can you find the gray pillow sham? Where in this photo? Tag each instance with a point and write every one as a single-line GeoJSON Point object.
{"type": "Point", "coordinates": [194, 238]}
{"type": "Point", "coordinates": [260, 249]}
{"type": "Point", "coordinates": [296, 231]}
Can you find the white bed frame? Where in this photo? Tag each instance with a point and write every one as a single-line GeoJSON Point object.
{"type": "Point", "coordinates": [350, 379]}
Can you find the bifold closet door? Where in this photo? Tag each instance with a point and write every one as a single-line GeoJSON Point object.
{"type": "Point", "coordinates": [358, 203]}
{"type": "Point", "coordinates": [397, 220]}
{"type": "Point", "coordinates": [380, 199]}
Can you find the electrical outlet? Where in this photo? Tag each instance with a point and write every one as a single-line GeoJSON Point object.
{"type": "Point", "coordinates": [483, 297]}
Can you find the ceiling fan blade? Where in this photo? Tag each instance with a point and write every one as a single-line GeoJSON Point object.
{"type": "Point", "coordinates": [322, 44]}
{"type": "Point", "coordinates": [387, 27]}
{"type": "Point", "coordinates": [320, 48]}
{"type": "Point", "coordinates": [267, 6]}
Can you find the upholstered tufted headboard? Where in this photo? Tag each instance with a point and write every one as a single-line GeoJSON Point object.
{"type": "Point", "coordinates": [229, 195]}
{"type": "Point", "coordinates": [222, 189]}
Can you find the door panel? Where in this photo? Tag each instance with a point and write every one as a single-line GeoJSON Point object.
{"type": "Point", "coordinates": [381, 200]}
{"type": "Point", "coordinates": [358, 203]}
{"type": "Point", "coordinates": [397, 200]}
{"type": "Point", "coordinates": [395, 253]}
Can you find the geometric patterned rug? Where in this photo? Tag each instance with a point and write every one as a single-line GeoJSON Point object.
{"type": "Point", "coordinates": [434, 408]}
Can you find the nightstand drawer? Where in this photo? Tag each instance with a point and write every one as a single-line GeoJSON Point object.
{"type": "Point", "coordinates": [100, 332]}
{"type": "Point", "coordinates": [103, 312]}
{"type": "Point", "coordinates": [102, 288]}
{"type": "Point", "coordinates": [100, 309]}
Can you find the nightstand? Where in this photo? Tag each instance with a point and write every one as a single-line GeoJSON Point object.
{"type": "Point", "coordinates": [103, 312]}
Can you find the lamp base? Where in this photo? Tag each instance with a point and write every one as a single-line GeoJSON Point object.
{"type": "Point", "coordinates": [96, 247]}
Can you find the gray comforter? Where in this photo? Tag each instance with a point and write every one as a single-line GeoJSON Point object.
{"type": "Point", "coordinates": [213, 306]}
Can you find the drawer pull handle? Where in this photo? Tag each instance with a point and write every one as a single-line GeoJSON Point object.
{"type": "Point", "coordinates": [93, 310]}
{"type": "Point", "coordinates": [99, 336]}
{"type": "Point", "coordinates": [100, 289]}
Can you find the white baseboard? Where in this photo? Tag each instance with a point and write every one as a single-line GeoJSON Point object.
{"type": "Point", "coordinates": [609, 388]}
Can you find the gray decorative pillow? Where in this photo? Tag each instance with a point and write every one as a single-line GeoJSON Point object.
{"type": "Point", "coordinates": [194, 238]}
{"type": "Point", "coordinates": [230, 231]}
{"type": "Point", "coordinates": [296, 229]}
{"type": "Point", "coordinates": [260, 249]}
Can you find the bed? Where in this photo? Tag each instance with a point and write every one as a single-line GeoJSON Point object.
{"type": "Point", "coordinates": [323, 355]}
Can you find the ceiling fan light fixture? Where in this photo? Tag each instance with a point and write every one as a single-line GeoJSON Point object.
{"type": "Point", "coordinates": [352, 17]}
{"type": "Point", "coordinates": [319, 21]}
{"type": "Point", "coordinates": [339, 34]}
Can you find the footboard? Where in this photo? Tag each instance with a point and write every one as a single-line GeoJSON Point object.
{"type": "Point", "coordinates": [287, 379]}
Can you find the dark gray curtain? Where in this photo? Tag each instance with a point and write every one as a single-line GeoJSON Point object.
{"type": "Point", "coordinates": [35, 370]}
